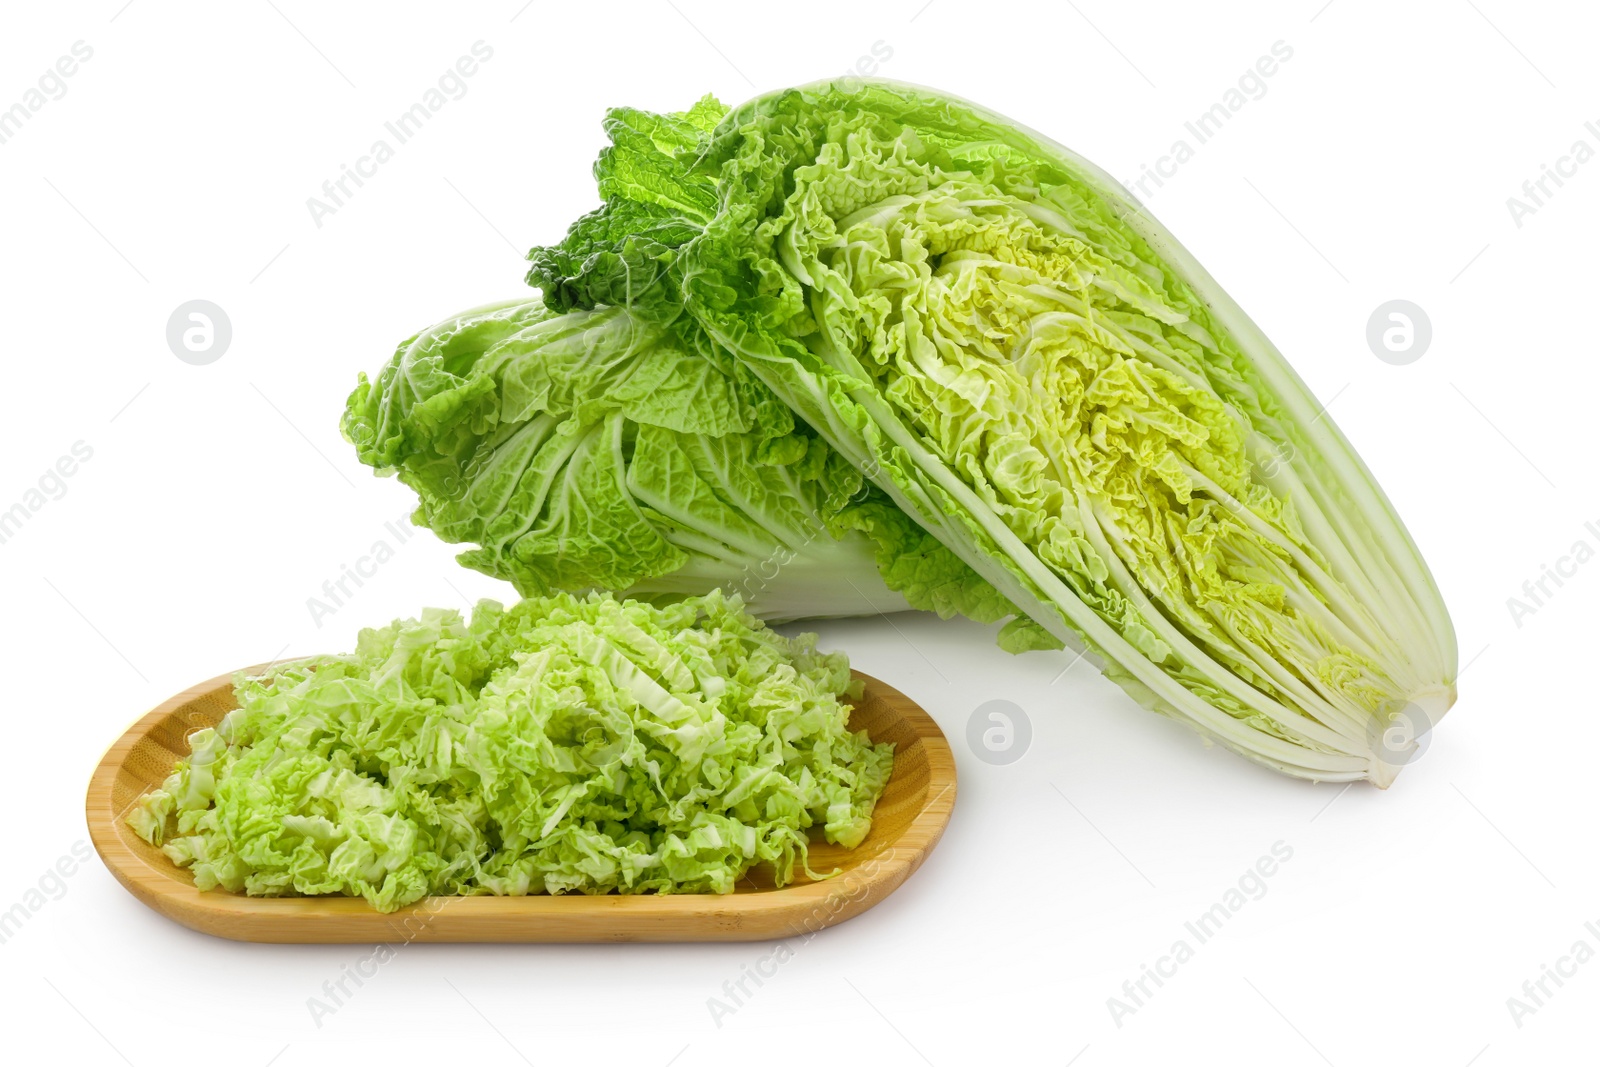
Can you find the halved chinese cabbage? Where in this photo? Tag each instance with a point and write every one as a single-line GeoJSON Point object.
{"type": "Point", "coordinates": [1034, 369]}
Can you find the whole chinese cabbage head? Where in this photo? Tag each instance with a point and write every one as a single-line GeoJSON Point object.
{"type": "Point", "coordinates": [601, 450]}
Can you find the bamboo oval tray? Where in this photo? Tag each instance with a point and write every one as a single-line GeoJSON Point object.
{"type": "Point", "coordinates": [908, 821]}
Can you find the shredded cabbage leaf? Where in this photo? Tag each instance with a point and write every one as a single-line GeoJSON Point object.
{"type": "Point", "coordinates": [562, 745]}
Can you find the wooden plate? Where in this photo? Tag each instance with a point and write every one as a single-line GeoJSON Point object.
{"type": "Point", "coordinates": [910, 817]}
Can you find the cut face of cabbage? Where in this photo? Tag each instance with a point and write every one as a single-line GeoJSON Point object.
{"type": "Point", "coordinates": [1035, 370]}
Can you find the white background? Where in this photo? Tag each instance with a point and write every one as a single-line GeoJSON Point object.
{"type": "Point", "coordinates": [219, 498]}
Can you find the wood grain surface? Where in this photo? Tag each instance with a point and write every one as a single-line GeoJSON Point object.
{"type": "Point", "coordinates": [909, 819]}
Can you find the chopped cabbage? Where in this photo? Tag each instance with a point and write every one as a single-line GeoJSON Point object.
{"type": "Point", "coordinates": [561, 745]}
